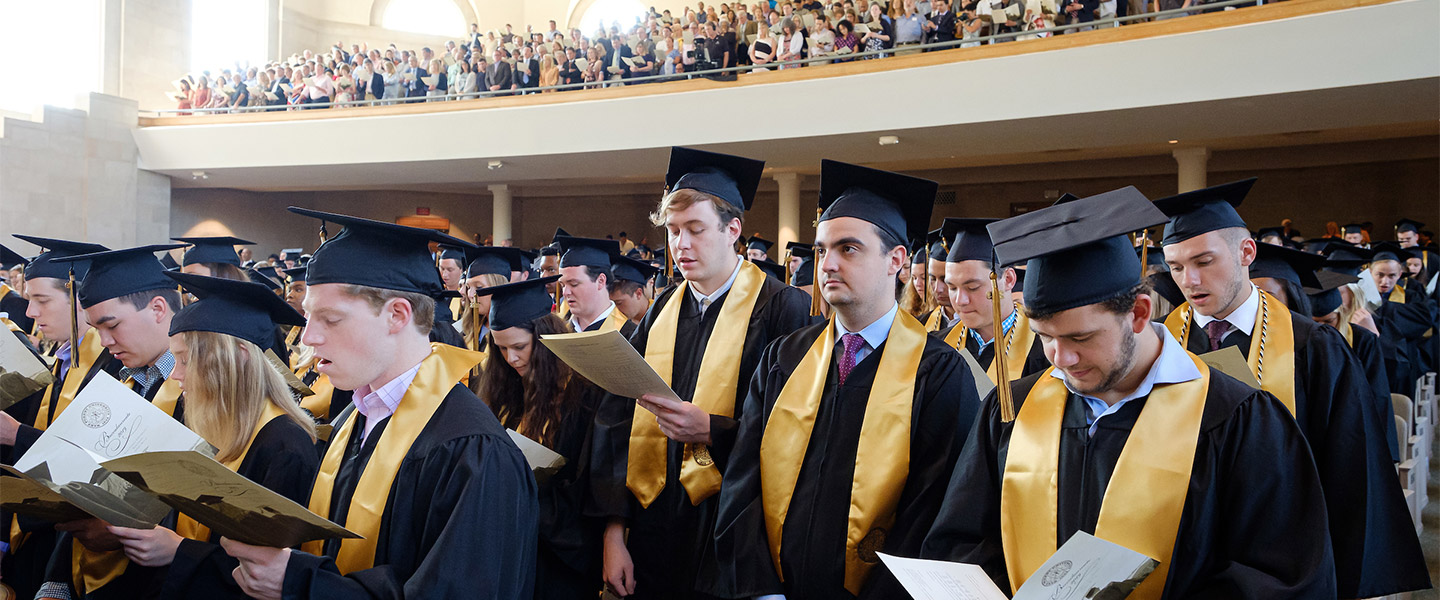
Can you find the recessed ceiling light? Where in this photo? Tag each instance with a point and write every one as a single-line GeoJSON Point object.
{"type": "Point", "coordinates": [889, 140]}
{"type": "Point", "coordinates": [1174, 141]}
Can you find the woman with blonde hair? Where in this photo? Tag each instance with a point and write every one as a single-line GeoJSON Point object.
{"type": "Point", "coordinates": [241, 405]}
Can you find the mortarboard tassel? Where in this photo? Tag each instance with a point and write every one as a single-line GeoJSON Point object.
{"type": "Point", "coordinates": [815, 280]}
{"type": "Point", "coordinates": [1002, 371]}
{"type": "Point", "coordinates": [74, 321]}
{"type": "Point", "coordinates": [1144, 250]}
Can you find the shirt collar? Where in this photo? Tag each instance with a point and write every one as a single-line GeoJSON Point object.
{"type": "Point", "coordinates": [1242, 318]}
{"type": "Point", "coordinates": [575, 323]}
{"type": "Point", "coordinates": [875, 333]}
{"type": "Point", "coordinates": [707, 300]}
{"type": "Point", "coordinates": [1005, 326]}
{"type": "Point", "coordinates": [147, 376]}
{"type": "Point", "coordinates": [1172, 366]}
{"type": "Point", "coordinates": [387, 396]}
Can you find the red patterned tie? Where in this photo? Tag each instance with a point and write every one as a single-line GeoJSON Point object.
{"type": "Point", "coordinates": [852, 342]}
{"type": "Point", "coordinates": [1216, 330]}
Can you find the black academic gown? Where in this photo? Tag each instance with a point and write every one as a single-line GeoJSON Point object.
{"type": "Point", "coordinates": [1405, 324]}
{"type": "Point", "coordinates": [284, 460]}
{"type": "Point", "coordinates": [1366, 347]}
{"type": "Point", "coordinates": [1253, 524]}
{"type": "Point", "coordinates": [812, 547]}
{"type": "Point", "coordinates": [1335, 408]}
{"type": "Point", "coordinates": [568, 561]}
{"type": "Point", "coordinates": [14, 304]}
{"type": "Point", "coordinates": [25, 567]}
{"type": "Point", "coordinates": [1035, 360]}
{"type": "Point", "coordinates": [460, 520]}
{"type": "Point", "coordinates": [667, 539]}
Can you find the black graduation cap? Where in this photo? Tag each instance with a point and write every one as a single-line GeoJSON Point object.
{"type": "Point", "coordinates": [772, 269]}
{"type": "Point", "coordinates": [452, 253]}
{"type": "Point", "coordinates": [630, 269]}
{"type": "Point", "coordinates": [935, 245]}
{"type": "Point", "coordinates": [243, 309]}
{"type": "Point", "coordinates": [9, 258]}
{"type": "Point", "coordinates": [899, 205]}
{"type": "Point", "coordinates": [559, 233]}
{"type": "Point", "coordinates": [1279, 262]}
{"type": "Point", "coordinates": [443, 316]}
{"type": "Point", "coordinates": [800, 250]}
{"type": "Point", "coordinates": [1019, 280]}
{"type": "Point", "coordinates": [805, 273]}
{"type": "Point", "coordinates": [1404, 225]}
{"type": "Point", "coordinates": [377, 254]}
{"type": "Point", "coordinates": [1269, 231]}
{"type": "Point", "coordinates": [1065, 198]}
{"type": "Point", "coordinates": [1155, 257]}
{"type": "Point", "coordinates": [1352, 228]}
{"type": "Point", "coordinates": [1325, 298]}
{"type": "Point", "coordinates": [1346, 258]}
{"type": "Point", "coordinates": [733, 179]}
{"type": "Point", "coordinates": [263, 279]}
{"type": "Point", "coordinates": [220, 249]}
{"type": "Point", "coordinates": [168, 262]}
{"type": "Point", "coordinates": [44, 265]}
{"type": "Point", "coordinates": [295, 274]}
{"type": "Point", "coordinates": [520, 302]}
{"type": "Point", "coordinates": [1205, 210]}
{"type": "Point", "coordinates": [758, 243]}
{"type": "Point", "coordinates": [116, 273]}
{"type": "Point", "coordinates": [1079, 252]}
{"type": "Point", "coordinates": [917, 251]}
{"type": "Point", "coordinates": [493, 260]}
{"type": "Point", "coordinates": [968, 240]}
{"type": "Point", "coordinates": [1164, 284]}
{"type": "Point", "coordinates": [587, 252]}
{"type": "Point", "coordinates": [1389, 251]}
{"type": "Point", "coordinates": [269, 271]}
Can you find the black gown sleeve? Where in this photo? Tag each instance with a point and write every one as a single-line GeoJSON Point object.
{"type": "Point", "coordinates": [1367, 351]}
{"type": "Point", "coordinates": [475, 541]}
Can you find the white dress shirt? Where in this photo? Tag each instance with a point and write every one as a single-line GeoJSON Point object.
{"type": "Point", "coordinates": [1241, 319]}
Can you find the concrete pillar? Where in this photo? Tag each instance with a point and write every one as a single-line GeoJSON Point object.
{"type": "Point", "coordinates": [1192, 163]}
{"type": "Point", "coordinates": [789, 217]}
{"type": "Point", "coordinates": [501, 213]}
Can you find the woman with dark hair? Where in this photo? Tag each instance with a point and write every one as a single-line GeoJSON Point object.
{"type": "Point", "coordinates": [535, 394]}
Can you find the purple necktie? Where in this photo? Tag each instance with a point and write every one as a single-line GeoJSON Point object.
{"type": "Point", "coordinates": [852, 342]}
{"type": "Point", "coordinates": [1216, 330]}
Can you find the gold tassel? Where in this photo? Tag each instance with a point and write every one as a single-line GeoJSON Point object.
{"type": "Point", "coordinates": [74, 321]}
{"type": "Point", "coordinates": [1144, 250]}
{"type": "Point", "coordinates": [1002, 371]}
{"type": "Point", "coordinates": [815, 279]}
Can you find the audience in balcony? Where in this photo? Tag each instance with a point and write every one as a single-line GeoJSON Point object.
{"type": "Point", "coordinates": [701, 38]}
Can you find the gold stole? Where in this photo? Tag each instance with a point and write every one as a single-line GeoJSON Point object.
{"type": "Point", "coordinates": [720, 373]}
{"type": "Point", "coordinates": [9, 324]}
{"type": "Point", "coordinates": [1348, 330]}
{"type": "Point", "coordinates": [457, 308]}
{"type": "Point", "coordinates": [88, 352]}
{"type": "Point", "coordinates": [93, 570]}
{"type": "Point", "coordinates": [1146, 494]}
{"type": "Point", "coordinates": [439, 372]}
{"type": "Point", "coordinates": [192, 529]}
{"type": "Point", "coordinates": [319, 403]}
{"type": "Point", "coordinates": [1397, 294]}
{"type": "Point", "coordinates": [1020, 337]}
{"type": "Point", "coordinates": [1273, 340]}
{"type": "Point", "coordinates": [614, 321]}
{"type": "Point", "coordinates": [290, 341]}
{"type": "Point", "coordinates": [882, 460]}
{"type": "Point", "coordinates": [562, 310]}
{"type": "Point", "coordinates": [936, 321]}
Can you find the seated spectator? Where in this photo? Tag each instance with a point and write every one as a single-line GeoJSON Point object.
{"type": "Point", "coordinates": [824, 39]}
{"type": "Point", "coordinates": [239, 95]}
{"type": "Point", "coordinates": [846, 41]}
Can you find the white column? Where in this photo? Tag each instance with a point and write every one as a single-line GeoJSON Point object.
{"type": "Point", "coordinates": [501, 213]}
{"type": "Point", "coordinates": [1192, 163]}
{"type": "Point", "coordinates": [789, 217]}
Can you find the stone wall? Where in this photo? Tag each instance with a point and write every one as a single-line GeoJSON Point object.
{"type": "Point", "coordinates": [72, 174]}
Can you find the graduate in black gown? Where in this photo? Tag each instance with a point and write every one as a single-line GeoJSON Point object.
{"type": "Point", "coordinates": [658, 476]}
{"type": "Point", "coordinates": [1328, 307]}
{"type": "Point", "coordinates": [417, 465]}
{"type": "Point", "coordinates": [131, 302]}
{"type": "Point", "coordinates": [24, 564]}
{"type": "Point", "coordinates": [1405, 315]}
{"type": "Point", "coordinates": [968, 265]}
{"type": "Point", "coordinates": [541, 398]}
{"type": "Point", "coordinates": [1129, 438]}
{"type": "Point", "coordinates": [240, 404]}
{"type": "Point", "coordinates": [1209, 252]}
{"type": "Point", "coordinates": [866, 396]}
{"type": "Point", "coordinates": [586, 283]}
